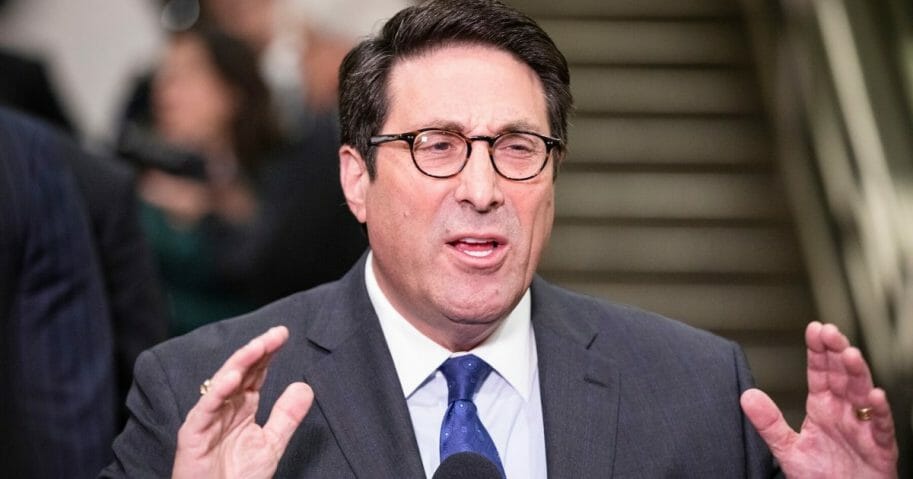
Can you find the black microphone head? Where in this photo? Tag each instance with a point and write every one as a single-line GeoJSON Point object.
{"type": "Point", "coordinates": [467, 465]}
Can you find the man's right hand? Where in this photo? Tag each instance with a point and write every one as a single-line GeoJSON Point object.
{"type": "Point", "coordinates": [220, 438]}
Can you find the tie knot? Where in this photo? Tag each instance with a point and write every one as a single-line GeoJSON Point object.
{"type": "Point", "coordinates": [464, 375]}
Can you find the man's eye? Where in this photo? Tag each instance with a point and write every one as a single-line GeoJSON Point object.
{"type": "Point", "coordinates": [518, 147]}
{"type": "Point", "coordinates": [436, 144]}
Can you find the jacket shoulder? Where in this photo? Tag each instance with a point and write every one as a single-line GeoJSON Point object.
{"type": "Point", "coordinates": [607, 318]}
{"type": "Point", "coordinates": [216, 341]}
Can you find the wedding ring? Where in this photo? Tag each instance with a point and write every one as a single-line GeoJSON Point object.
{"type": "Point", "coordinates": [204, 388]}
{"type": "Point", "coordinates": [864, 414]}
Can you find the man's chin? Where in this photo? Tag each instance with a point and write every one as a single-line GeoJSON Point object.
{"type": "Point", "coordinates": [481, 320]}
{"type": "Point", "coordinates": [480, 300]}
{"type": "Point", "coordinates": [467, 333]}
{"type": "Point", "coordinates": [476, 314]}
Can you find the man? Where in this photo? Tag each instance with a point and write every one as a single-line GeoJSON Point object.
{"type": "Point", "coordinates": [138, 316]}
{"type": "Point", "coordinates": [57, 376]}
{"type": "Point", "coordinates": [454, 120]}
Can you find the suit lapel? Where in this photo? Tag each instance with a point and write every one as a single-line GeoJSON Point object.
{"type": "Point", "coordinates": [357, 389]}
{"type": "Point", "coordinates": [579, 386]}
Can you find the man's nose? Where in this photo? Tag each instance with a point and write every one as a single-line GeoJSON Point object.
{"type": "Point", "coordinates": [479, 183]}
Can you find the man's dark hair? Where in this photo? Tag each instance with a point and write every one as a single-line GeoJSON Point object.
{"type": "Point", "coordinates": [365, 71]}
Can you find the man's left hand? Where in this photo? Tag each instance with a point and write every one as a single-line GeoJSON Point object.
{"type": "Point", "coordinates": [848, 430]}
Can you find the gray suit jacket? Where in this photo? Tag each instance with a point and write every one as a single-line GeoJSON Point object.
{"type": "Point", "coordinates": [625, 393]}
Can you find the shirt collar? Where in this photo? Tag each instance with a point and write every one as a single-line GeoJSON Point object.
{"type": "Point", "coordinates": [416, 357]}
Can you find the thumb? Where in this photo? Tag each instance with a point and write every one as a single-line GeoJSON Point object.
{"type": "Point", "coordinates": [288, 412]}
{"type": "Point", "coordinates": [768, 420]}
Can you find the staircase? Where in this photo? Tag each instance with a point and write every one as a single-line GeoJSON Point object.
{"type": "Point", "coordinates": [670, 198]}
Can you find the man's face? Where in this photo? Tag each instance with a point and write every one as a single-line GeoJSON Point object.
{"type": "Point", "coordinates": [455, 255]}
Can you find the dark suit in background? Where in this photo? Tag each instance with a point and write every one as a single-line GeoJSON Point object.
{"type": "Point", "coordinates": [625, 393]}
{"type": "Point", "coordinates": [136, 304]}
{"type": "Point", "coordinates": [57, 380]}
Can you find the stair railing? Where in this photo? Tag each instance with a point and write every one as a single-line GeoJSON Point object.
{"type": "Point", "coordinates": [843, 141]}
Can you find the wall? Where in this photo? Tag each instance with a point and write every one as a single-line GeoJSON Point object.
{"type": "Point", "coordinates": [92, 49]}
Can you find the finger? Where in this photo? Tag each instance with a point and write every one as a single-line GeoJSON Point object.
{"type": "Point", "coordinates": [257, 375]}
{"type": "Point", "coordinates": [813, 336]}
{"type": "Point", "coordinates": [835, 343]}
{"type": "Point", "coordinates": [254, 351]}
{"type": "Point", "coordinates": [287, 414]}
{"type": "Point", "coordinates": [833, 339]}
{"type": "Point", "coordinates": [859, 379]}
{"type": "Point", "coordinates": [816, 357]}
{"type": "Point", "coordinates": [251, 359]}
{"type": "Point", "coordinates": [768, 420]}
{"type": "Point", "coordinates": [206, 412]}
{"type": "Point", "coordinates": [233, 378]}
{"type": "Point", "coordinates": [220, 390]}
{"type": "Point", "coordinates": [882, 422]}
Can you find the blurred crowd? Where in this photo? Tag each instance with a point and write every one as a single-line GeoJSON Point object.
{"type": "Point", "coordinates": [218, 192]}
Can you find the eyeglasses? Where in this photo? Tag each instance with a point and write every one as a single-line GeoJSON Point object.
{"type": "Point", "coordinates": [515, 155]}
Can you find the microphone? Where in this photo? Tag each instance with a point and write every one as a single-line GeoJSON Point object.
{"type": "Point", "coordinates": [467, 465]}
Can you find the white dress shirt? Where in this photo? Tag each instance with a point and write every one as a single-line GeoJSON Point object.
{"type": "Point", "coordinates": [508, 401]}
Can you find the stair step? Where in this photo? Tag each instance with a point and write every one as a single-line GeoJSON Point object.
{"type": "Point", "coordinates": [628, 8]}
{"type": "Point", "coordinates": [673, 249]}
{"type": "Point", "coordinates": [695, 196]}
{"type": "Point", "coordinates": [663, 90]}
{"type": "Point", "coordinates": [727, 309]}
{"type": "Point", "coordinates": [593, 42]}
{"type": "Point", "coordinates": [671, 140]}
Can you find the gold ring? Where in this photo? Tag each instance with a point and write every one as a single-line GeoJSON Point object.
{"type": "Point", "coordinates": [204, 388]}
{"type": "Point", "coordinates": [864, 414]}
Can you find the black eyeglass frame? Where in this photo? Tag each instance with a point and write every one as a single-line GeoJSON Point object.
{"type": "Point", "coordinates": [409, 138]}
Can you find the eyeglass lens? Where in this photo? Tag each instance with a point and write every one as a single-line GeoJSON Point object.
{"type": "Point", "coordinates": [443, 153]}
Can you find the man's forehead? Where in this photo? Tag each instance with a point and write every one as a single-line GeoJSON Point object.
{"type": "Point", "coordinates": [421, 58]}
{"type": "Point", "coordinates": [455, 87]}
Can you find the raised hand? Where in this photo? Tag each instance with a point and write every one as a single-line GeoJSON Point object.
{"type": "Point", "coordinates": [848, 430]}
{"type": "Point", "coordinates": [220, 439]}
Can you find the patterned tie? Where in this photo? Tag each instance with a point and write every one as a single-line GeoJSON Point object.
{"type": "Point", "coordinates": [462, 431]}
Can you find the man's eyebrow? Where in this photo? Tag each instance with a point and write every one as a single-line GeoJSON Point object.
{"type": "Point", "coordinates": [522, 126]}
{"type": "Point", "coordinates": [449, 125]}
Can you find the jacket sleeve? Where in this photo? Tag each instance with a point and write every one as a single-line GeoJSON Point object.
{"type": "Point", "coordinates": [759, 462]}
{"type": "Point", "coordinates": [146, 446]}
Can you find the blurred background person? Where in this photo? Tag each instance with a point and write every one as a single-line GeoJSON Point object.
{"type": "Point", "coordinates": [245, 218]}
{"type": "Point", "coordinates": [58, 405]}
{"type": "Point", "coordinates": [208, 100]}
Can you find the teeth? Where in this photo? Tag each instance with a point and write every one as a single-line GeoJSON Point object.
{"type": "Point", "coordinates": [476, 247]}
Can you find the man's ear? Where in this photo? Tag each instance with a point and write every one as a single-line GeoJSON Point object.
{"type": "Point", "coordinates": [353, 175]}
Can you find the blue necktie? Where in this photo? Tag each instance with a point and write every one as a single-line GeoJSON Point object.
{"type": "Point", "coordinates": [462, 431]}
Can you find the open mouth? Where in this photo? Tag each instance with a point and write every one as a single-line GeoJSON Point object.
{"type": "Point", "coordinates": [476, 247]}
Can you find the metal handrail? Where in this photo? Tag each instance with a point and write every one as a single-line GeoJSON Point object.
{"type": "Point", "coordinates": [849, 179]}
